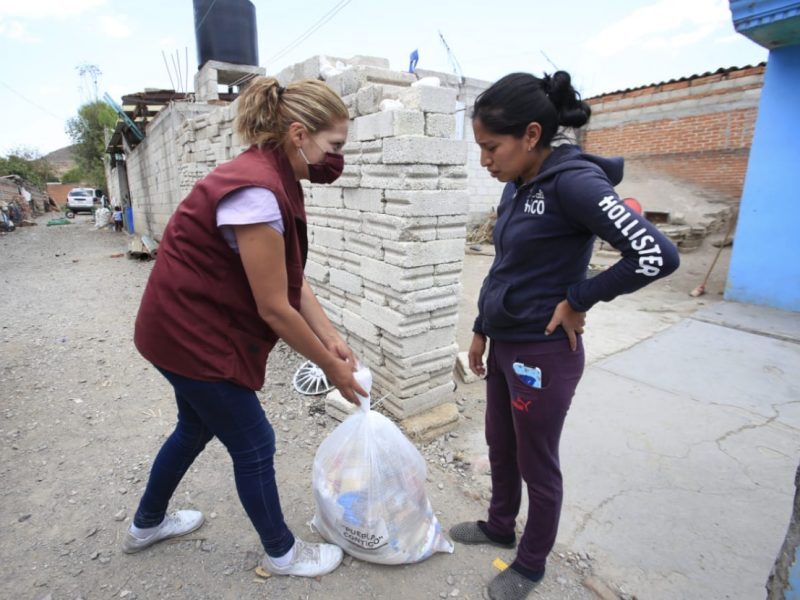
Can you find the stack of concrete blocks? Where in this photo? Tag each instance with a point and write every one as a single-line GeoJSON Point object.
{"type": "Point", "coordinates": [387, 240]}
{"type": "Point", "coordinates": [215, 73]}
{"type": "Point", "coordinates": [484, 190]}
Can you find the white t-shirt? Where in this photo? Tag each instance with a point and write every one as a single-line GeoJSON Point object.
{"type": "Point", "coordinates": [246, 206]}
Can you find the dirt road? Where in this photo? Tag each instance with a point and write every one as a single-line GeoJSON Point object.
{"type": "Point", "coordinates": [83, 416]}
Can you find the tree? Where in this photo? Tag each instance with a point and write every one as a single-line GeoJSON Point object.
{"type": "Point", "coordinates": [29, 164]}
{"type": "Point", "coordinates": [74, 175]}
{"type": "Point", "coordinates": [87, 134]}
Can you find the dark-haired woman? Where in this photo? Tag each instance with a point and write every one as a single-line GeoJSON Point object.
{"type": "Point", "coordinates": [533, 302]}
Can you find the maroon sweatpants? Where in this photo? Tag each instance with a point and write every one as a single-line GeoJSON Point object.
{"type": "Point", "coordinates": [523, 429]}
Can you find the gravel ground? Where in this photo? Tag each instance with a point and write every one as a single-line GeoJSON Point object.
{"type": "Point", "coordinates": [83, 416]}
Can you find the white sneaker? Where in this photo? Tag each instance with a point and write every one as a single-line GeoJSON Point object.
{"type": "Point", "coordinates": [174, 525]}
{"type": "Point", "coordinates": [309, 560]}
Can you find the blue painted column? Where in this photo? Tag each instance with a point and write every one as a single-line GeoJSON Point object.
{"type": "Point", "coordinates": [765, 265]}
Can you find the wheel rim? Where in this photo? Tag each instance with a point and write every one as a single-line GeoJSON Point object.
{"type": "Point", "coordinates": [310, 380]}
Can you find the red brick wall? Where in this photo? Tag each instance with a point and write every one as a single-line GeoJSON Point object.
{"type": "Point", "coordinates": [59, 191]}
{"type": "Point", "coordinates": [709, 149]}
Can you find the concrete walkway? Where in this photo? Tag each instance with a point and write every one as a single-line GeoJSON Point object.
{"type": "Point", "coordinates": [680, 450]}
{"type": "Point", "coordinates": [679, 456]}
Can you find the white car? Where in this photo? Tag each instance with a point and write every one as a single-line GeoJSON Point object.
{"type": "Point", "coordinates": [84, 199]}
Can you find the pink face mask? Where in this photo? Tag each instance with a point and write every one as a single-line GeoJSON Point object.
{"type": "Point", "coordinates": [327, 171]}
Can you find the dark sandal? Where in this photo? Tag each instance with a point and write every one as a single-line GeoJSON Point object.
{"type": "Point", "coordinates": [470, 533]}
{"type": "Point", "coordinates": [511, 585]}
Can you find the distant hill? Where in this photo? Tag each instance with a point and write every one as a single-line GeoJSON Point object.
{"type": "Point", "coordinates": [61, 160]}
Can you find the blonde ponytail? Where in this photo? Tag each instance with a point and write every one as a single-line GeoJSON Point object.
{"type": "Point", "coordinates": [266, 110]}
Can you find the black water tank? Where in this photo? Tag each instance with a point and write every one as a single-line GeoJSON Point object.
{"type": "Point", "coordinates": [226, 30]}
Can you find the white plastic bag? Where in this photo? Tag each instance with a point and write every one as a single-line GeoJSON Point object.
{"type": "Point", "coordinates": [369, 486]}
{"type": "Point", "coordinates": [102, 217]}
{"type": "Point", "coordinates": [428, 82]}
{"type": "Point", "coordinates": [390, 104]}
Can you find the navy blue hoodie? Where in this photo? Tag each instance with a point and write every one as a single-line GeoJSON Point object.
{"type": "Point", "coordinates": [543, 239]}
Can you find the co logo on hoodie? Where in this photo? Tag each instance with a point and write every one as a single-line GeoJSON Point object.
{"type": "Point", "coordinates": [534, 204]}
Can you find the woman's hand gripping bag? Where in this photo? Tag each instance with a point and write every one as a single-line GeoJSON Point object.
{"type": "Point", "coordinates": [369, 486]}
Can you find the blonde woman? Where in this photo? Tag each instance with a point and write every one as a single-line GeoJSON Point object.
{"type": "Point", "coordinates": [228, 284]}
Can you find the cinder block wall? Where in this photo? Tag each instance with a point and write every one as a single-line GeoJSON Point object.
{"type": "Point", "coordinates": [154, 168]}
{"type": "Point", "coordinates": [113, 192]}
{"type": "Point", "coordinates": [203, 143]}
{"type": "Point", "coordinates": [699, 129]}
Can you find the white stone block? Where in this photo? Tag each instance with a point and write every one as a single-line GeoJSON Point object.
{"type": "Point", "coordinates": [453, 178]}
{"type": "Point", "coordinates": [430, 99]}
{"type": "Point", "coordinates": [417, 344]}
{"type": "Point", "coordinates": [365, 200]}
{"type": "Point", "coordinates": [400, 177]}
{"type": "Point", "coordinates": [328, 238]}
{"type": "Point", "coordinates": [448, 274]}
{"type": "Point", "coordinates": [406, 203]}
{"type": "Point", "coordinates": [401, 387]}
{"type": "Point", "coordinates": [368, 61]}
{"type": "Point", "coordinates": [400, 279]}
{"type": "Point", "coordinates": [462, 366]}
{"type": "Point", "coordinates": [435, 151]}
{"type": "Point", "coordinates": [418, 254]}
{"type": "Point", "coordinates": [343, 218]}
{"type": "Point", "coordinates": [334, 312]}
{"type": "Point", "coordinates": [351, 177]}
{"type": "Point", "coordinates": [308, 69]}
{"type": "Point", "coordinates": [422, 402]}
{"type": "Point", "coordinates": [367, 354]}
{"type": "Point", "coordinates": [429, 300]}
{"type": "Point", "coordinates": [372, 152]}
{"type": "Point", "coordinates": [407, 229]}
{"type": "Point", "coordinates": [316, 272]}
{"type": "Point", "coordinates": [352, 153]}
{"type": "Point", "coordinates": [452, 227]}
{"type": "Point", "coordinates": [337, 407]}
{"type": "Point", "coordinates": [319, 255]}
{"type": "Point", "coordinates": [365, 330]}
{"type": "Point", "coordinates": [336, 258]}
{"type": "Point", "coordinates": [345, 281]}
{"type": "Point", "coordinates": [426, 362]}
{"type": "Point", "coordinates": [351, 262]}
{"type": "Point", "coordinates": [316, 215]}
{"type": "Point", "coordinates": [362, 245]}
{"type": "Point", "coordinates": [440, 125]}
{"type": "Point", "coordinates": [345, 83]}
{"type": "Point", "coordinates": [354, 78]}
{"type": "Point", "coordinates": [369, 97]}
{"type": "Point", "coordinates": [336, 297]}
{"type": "Point", "coordinates": [388, 124]}
{"type": "Point", "coordinates": [444, 317]}
{"type": "Point", "coordinates": [392, 321]}
{"type": "Point", "coordinates": [375, 293]}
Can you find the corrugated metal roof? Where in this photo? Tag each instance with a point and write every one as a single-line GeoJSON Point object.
{"type": "Point", "coordinates": [721, 71]}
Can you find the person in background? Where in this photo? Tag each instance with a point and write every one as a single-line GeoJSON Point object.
{"type": "Point", "coordinates": [227, 285]}
{"type": "Point", "coordinates": [116, 217]}
{"type": "Point", "coordinates": [533, 303]}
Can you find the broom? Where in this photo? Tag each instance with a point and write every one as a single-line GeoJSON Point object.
{"type": "Point", "coordinates": [701, 289]}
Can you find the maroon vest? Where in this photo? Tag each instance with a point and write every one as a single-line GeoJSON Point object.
{"type": "Point", "coordinates": [198, 317]}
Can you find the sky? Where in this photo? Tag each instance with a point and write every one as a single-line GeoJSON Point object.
{"type": "Point", "coordinates": [606, 46]}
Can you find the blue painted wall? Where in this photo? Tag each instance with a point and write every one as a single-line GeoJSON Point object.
{"type": "Point", "coordinates": [793, 591]}
{"type": "Point", "coordinates": [765, 265]}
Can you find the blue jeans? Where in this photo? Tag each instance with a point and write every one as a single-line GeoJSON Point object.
{"type": "Point", "coordinates": [233, 414]}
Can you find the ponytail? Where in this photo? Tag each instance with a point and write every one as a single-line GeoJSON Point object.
{"type": "Point", "coordinates": [518, 99]}
{"type": "Point", "coordinates": [266, 110]}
